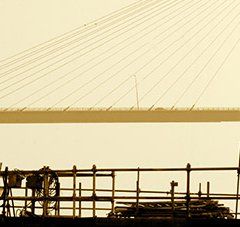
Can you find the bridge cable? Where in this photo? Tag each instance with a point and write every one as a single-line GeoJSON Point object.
{"type": "Point", "coordinates": [204, 67]}
{"type": "Point", "coordinates": [113, 74]}
{"type": "Point", "coordinates": [98, 20]}
{"type": "Point", "coordinates": [166, 48]}
{"type": "Point", "coordinates": [62, 65]}
{"type": "Point", "coordinates": [181, 75]}
{"type": "Point", "coordinates": [66, 45]}
{"type": "Point", "coordinates": [128, 92]}
{"type": "Point", "coordinates": [185, 70]}
{"type": "Point", "coordinates": [102, 73]}
{"type": "Point", "coordinates": [216, 73]}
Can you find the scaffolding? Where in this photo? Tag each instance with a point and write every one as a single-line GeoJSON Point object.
{"type": "Point", "coordinates": [43, 195]}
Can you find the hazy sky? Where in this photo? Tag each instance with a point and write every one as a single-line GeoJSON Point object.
{"type": "Point", "coordinates": [24, 23]}
{"type": "Point", "coordinates": [27, 23]}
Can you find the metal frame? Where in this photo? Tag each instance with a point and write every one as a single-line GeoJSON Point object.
{"type": "Point", "coordinates": [76, 197]}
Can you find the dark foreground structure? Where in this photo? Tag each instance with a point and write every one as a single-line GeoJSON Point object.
{"type": "Point", "coordinates": [111, 222]}
{"type": "Point", "coordinates": [73, 197]}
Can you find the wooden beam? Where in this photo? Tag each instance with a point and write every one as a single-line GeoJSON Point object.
{"type": "Point", "coordinates": [118, 115]}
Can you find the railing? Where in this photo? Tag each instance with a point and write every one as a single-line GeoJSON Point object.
{"type": "Point", "coordinates": [2, 109]}
{"type": "Point", "coordinates": [47, 198]}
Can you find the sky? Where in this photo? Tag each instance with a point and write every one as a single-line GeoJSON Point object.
{"type": "Point", "coordinates": [26, 23]}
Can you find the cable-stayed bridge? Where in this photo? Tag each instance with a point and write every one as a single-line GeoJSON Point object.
{"type": "Point", "coordinates": [151, 61]}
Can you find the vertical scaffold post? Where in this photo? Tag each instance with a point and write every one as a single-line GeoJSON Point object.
{"type": "Point", "coordinates": [33, 201]}
{"type": "Point", "coordinates": [26, 195]}
{"type": "Point", "coordinates": [80, 202]}
{"type": "Point", "coordinates": [94, 170]}
{"type": "Point", "coordinates": [57, 204]}
{"type": "Point", "coordinates": [74, 189]}
{"type": "Point", "coordinates": [5, 191]}
{"type": "Point", "coordinates": [173, 185]}
{"type": "Point", "coordinates": [238, 176]}
{"type": "Point", "coordinates": [236, 211]}
{"type": "Point", "coordinates": [113, 191]}
{"type": "Point", "coordinates": [200, 190]}
{"type": "Point", "coordinates": [137, 191]}
{"type": "Point", "coordinates": [13, 206]}
{"type": "Point", "coordinates": [208, 189]}
{"type": "Point", "coordinates": [45, 191]}
{"type": "Point", "coordinates": [188, 190]}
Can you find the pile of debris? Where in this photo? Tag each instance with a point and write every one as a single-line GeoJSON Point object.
{"type": "Point", "coordinates": [165, 209]}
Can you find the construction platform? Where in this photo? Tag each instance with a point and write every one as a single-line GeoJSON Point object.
{"type": "Point", "coordinates": [42, 198]}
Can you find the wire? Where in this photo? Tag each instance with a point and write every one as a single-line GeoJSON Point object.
{"type": "Point", "coordinates": [70, 43]}
{"type": "Point", "coordinates": [112, 76]}
{"type": "Point", "coordinates": [189, 66]}
{"type": "Point", "coordinates": [216, 73]}
{"type": "Point", "coordinates": [181, 75]}
{"type": "Point", "coordinates": [166, 48]}
{"type": "Point", "coordinates": [112, 91]}
{"type": "Point", "coordinates": [62, 65]}
{"type": "Point", "coordinates": [126, 79]}
{"type": "Point", "coordinates": [87, 35]}
{"type": "Point", "coordinates": [114, 13]}
{"type": "Point", "coordinates": [210, 59]}
{"type": "Point", "coordinates": [128, 92]}
{"type": "Point", "coordinates": [131, 53]}
{"type": "Point", "coordinates": [143, 36]}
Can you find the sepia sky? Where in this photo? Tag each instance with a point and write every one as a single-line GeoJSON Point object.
{"type": "Point", "coordinates": [25, 23]}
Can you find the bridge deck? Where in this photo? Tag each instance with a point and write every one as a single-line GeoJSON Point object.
{"type": "Point", "coordinates": [119, 115]}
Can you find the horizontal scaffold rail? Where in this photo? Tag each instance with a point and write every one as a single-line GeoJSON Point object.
{"type": "Point", "coordinates": [119, 115]}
